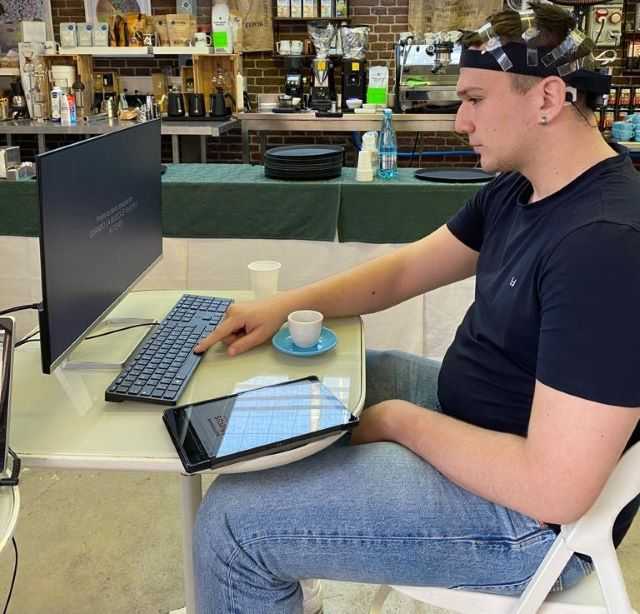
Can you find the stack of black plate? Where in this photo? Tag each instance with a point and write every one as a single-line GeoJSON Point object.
{"type": "Point", "coordinates": [304, 162]}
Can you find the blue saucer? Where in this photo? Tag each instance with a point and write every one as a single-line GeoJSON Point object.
{"type": "Point", "coordinates": [283, 342]}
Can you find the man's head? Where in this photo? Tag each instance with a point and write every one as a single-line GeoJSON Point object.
{"type": "Point", "coordinates": [506, 113]}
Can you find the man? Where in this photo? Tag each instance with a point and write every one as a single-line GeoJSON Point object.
{"type": "Point", "coordinates": [470, 467]}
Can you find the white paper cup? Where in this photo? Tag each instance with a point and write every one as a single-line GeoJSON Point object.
{"type": "Point", "coordinates": [264, 277]}
{"type": "Point", "coordinates": [305, 327]}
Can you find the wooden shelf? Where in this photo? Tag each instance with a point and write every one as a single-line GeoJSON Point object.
{"type": "Point", "coordinates": [138, 51]}
{"type": "Point", "coordinates": [311, 18]}
{"type": "Point", "coordinates": [189, 51]}
{"type": "Point", "coordinates": [9, 72]}
{"type": "Point", "coordinates": [104, 51]}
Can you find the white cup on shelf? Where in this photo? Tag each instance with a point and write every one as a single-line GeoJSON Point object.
{"type": "Point", "coordinates": [284, 47]}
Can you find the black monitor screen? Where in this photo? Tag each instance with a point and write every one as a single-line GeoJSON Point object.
{"type": "Point", "coordinates": [100, 229]}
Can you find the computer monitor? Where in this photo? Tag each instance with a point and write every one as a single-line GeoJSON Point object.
{"type": "Point", "coordinates": [100, 230]}
{"type": "Point", "coordinates": [7, 342]}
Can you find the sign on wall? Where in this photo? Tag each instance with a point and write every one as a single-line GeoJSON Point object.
{"type": "Point", "coordinates": [257, 25]}
{"type": "Point", "coordinates": [101, 10]}
{"type": "Point", "coordinates": [27, 10]}
{"type": "Point", "coordinates": [443, 15]}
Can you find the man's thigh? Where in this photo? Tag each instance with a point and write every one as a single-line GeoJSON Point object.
{"type": "Point", "coordinates": [373, 513]}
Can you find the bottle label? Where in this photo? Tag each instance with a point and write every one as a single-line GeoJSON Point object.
{"type": "Point", "coordinates": [388, 161]}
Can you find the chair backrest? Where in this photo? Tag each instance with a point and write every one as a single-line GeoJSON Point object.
{"type": "Point", "coordinates": [621, 487]}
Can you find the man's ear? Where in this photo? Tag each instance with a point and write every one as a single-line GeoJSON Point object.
{"type": "Point", "coordinates": [553, 97]}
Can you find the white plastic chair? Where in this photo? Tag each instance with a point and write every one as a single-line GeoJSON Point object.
{"type": "Point", "coordinates": [590, 535]}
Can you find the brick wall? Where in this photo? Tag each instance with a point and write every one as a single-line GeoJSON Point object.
{"type": "Point", "coordinates": [265, 74]}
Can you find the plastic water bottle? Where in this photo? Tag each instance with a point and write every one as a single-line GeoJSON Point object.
{"type": "Point", "coordinates": [388, 148]}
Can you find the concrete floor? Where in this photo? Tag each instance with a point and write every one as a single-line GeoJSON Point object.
{"type": "Point", "coordinates": [107, 542]}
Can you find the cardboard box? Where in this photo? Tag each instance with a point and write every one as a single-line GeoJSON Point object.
{"type": "Point", "coordinates": [283, 8]}
{"type": "Point", "coordinates": [68, 35]}
{"type": "Point", "coordinates": [309, 8]}
{"type": "Point", "coordinates": [33, 31]}
{"type": "Point", "coordinates": [101, 34]}
{"type": "Point", "coordinates": [326, 8]}
{"type": "Point", "coordinates": [85, 34]}
{"type": "Point", "coordinates": [296, 9]}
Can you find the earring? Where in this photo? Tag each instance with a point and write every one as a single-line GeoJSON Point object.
{"type": "Point", "coordinates": [544, 120]}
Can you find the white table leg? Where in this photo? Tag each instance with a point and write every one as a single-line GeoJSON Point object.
{"type": "Point", "coordinates": [191, 495]}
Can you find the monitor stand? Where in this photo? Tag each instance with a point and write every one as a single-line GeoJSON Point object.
{"type": "Point", "coordinates": [84, 365]}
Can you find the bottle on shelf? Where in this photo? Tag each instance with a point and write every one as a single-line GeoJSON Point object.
{"type": "Point", "coordinates": [388, 148]}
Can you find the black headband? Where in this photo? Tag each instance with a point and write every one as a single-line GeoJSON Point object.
{"type": "Point", "coordinates": [582, 79]}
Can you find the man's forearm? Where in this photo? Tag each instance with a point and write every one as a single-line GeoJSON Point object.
{"type": "Point", "coordinates": [367, 288]}
{"type": "Point", "coordinates": [437, 260]}
{"type": "Point", "coordinates": [490, 464]}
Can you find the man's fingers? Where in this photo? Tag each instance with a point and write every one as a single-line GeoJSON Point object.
{"type": "Point", "coordinates": [224, 329]}
{"type": "Point", "coordinates": [245, 342]}
{"type": "Point", "coordinates": [229, 339]}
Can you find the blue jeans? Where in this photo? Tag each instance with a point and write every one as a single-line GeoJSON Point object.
{"type": "Point", "coordinates": [373, 513]}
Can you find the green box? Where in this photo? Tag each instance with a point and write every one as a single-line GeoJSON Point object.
{"type": "Point", "coordinates": [377, 95]}
{"type": "Point", "coordinates": [220, 40]}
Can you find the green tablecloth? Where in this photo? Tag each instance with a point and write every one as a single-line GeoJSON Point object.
{"type": "Point", "coordinates": [237, 201]}
{"type": "Point", "coordinates": [397, 211]}
{"type": "Point", "coordinates": [211, 200]}
{"type": "Point", "coordinates": [19, 213]}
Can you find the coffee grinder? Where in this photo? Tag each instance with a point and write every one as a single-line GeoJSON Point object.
{"type": "Point", "coordinates": [354, 63]}
{"type": "Point", "coordinates": [293, 84]}
{"type": "Point", "coordinates": [323, 91]}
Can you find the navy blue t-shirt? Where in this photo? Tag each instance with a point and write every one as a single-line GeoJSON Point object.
{"type": "Point", "coordinates": [557, 299]}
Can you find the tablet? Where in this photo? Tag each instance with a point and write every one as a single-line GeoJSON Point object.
{"type": "Point", "coordinates": [255, 423]}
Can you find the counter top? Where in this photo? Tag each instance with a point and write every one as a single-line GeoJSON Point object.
{"type": "Point", "coordinates": [29, 126]}
{"type": "Point", "coordinates": [307, 120]}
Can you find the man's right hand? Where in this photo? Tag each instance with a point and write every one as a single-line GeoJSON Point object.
{"type": "Point", "coordinates": [246, 325]}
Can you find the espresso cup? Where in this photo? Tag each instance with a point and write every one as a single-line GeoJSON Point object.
{"type": "Point", "coordinates": [305, 327]}
{"type": "Point", "coordinates": [284, 47]}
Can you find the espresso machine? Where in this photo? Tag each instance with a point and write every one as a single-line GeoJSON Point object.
{"type": "Point", "coordinates": [323, 89]}
{"type": "Point", "coordinates": [427, 70]}
{"type": "Point", "coordinates": [354, 64]}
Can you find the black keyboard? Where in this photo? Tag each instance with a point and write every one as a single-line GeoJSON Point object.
{"type": "Point", "coordinates": [162, 364]}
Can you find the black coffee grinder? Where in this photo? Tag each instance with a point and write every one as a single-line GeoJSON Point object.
{"type": "Point", "coordinates": [323, 90]}
{"type": "Point", "coordinates": [354, 80]}
{"type": "Point", "coordinates": [354, 64]}
{"type": "Point", "coordinates": [293, 83]}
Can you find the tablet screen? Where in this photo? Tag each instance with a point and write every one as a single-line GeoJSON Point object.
{"type": "Point", "coordinates": [229, 426]}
